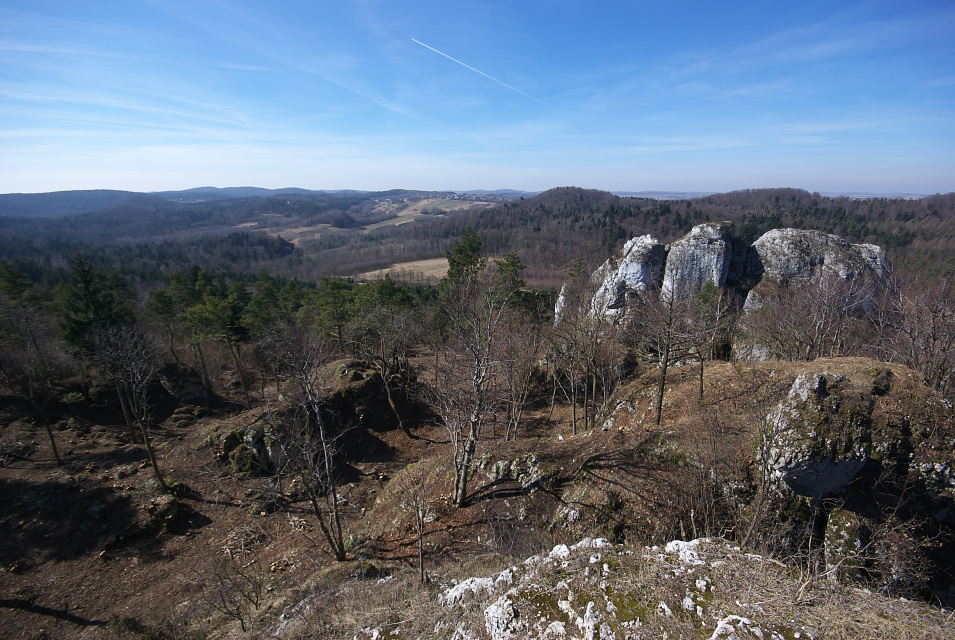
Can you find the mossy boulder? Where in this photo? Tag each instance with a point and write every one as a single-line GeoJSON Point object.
{"type": "Point", "coordinates": [819, 438]}
{"type": "Point", "coordinates": [250, 450]}
{"type": "Point", "coordinates": [847, 535]}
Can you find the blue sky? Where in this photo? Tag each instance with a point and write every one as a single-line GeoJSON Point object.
{"type": "Point", "coordinates": [692, 96]}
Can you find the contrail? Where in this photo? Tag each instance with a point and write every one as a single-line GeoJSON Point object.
{"type": "Point", "coordinates": [503, 84]}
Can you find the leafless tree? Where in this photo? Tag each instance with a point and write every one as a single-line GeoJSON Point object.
{"type": "Point", "coordinates": [229, 589]}
{"type": "Point", "coordinates": [914, 324]}
{"type": "Point", "coordinates": [713, 316]}
{"type": "Point", "coordinates": [308, 441]}
{"type": "Point", "coordinates": [661, 331]}
{"type": "Point", "coordinates": [521, 341]}
{"type": "Point", "coordinates": [31, 358]}
{"type": "Point", "coordinates": [808, 318]}
{"type": "Point", "coordinates": [411, 487]}
{"type": "Point", "coordinates": [580, 342]}
{"type": "Point", "coordinates": [128, 360]}
{"type": "Point", "coordinates": [467, 389]}
{"type": "Point", "coordinates": [383, 336]}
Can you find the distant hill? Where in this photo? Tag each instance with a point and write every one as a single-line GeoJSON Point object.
{"type": "Point", "coordinates": [507, 193]}
{"type": "Point", "coordinates": [200, 194]}
{"type": "Point", "coordinates": [58, 204]}
{"type": "Point", "coordinates": [664, 195]}
{"type": "Point", "coordinates": [346, 233]}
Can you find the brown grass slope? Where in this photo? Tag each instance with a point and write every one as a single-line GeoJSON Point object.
{"type": "Point", "coordinates": [92, 550]}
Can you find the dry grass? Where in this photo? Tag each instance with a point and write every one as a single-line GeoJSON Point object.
{"type": "Point", "coordinates": [640, 593]}
{"type": "Point", "coordinates": [430, 270]}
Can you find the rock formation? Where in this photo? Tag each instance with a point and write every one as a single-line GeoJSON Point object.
{"type": "Point", "coordinates": [796, 254]}
{"type": "Point", "coordinates": [816, 442]}
{"type": "Point", "coordinates": [638, 270]}
{"type": "Point", "coordinates": [699, 256]}
{"type": "Point", "coordinates": [709, 252]}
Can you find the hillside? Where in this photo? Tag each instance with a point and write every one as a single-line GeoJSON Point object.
{"type": "Point", "coordinates": [347, 233]}
{"type": "Point", "coordinates": [149, 565]}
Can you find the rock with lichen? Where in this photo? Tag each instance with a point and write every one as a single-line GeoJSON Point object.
{"type": "Point", "coordinates": [792, 255]}
{"type": "Point", "coordinates": [703, 255]}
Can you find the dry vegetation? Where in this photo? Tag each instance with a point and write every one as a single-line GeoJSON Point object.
{"type": "Point", "coordinates": [96, 551]}
{"type": "Point", "coordinates": [330, 458]}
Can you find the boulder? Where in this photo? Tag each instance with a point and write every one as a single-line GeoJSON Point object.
{"type": "Point", "coordinates": [702, 255]}
{"type": "Point", "coordinates": [818, 439]}
{"type": "Point", "coordinates": [184, 384]}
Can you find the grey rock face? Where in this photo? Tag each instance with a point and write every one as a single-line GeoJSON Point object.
{"type": "Point", "coordinates": [502, 619]}
{"type": "Point", "coordinates": [797, 254]}
{"type": "Point", "coordinates": [815, 443]}
{"type": "Point", "coordinates": [709, 252]}
{"type": "Point", "coordinates": [638, 270]}
{"type": "Point", "coordinates": [703, 254]}
{"type": "Point", "coordinates": [845, 537]}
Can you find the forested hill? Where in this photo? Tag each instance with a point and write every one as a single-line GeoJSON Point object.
{"type": "Point", "coordinates": [563, 224]}
{"type": "Point", "coordinates": [342, 234]}
{"type": "Point", "coordinates": [68, 203]}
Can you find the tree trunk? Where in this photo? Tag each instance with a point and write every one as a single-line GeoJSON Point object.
{"type": "Point", "coordinates": [553, 398]}
{"type": "Point", "coordinates": [203, 369]}
{"type": "Point", "coordinates": [172, 348]}
{"type": "Point", "coordinates": [385, 374]}
{"type": "Point", "coordinates": [419, 521]}
{"type": "Point", "coordinates": [464, 468]}
{"type": "Point", "coordinates": [127, 413]}
{"type": "Point", "coordinates": [238, 368]}
{"type": "Point", "coordinates": [41, 416]}
{"type": "Point", "coordinates": [334, 542]}
{"type": "Point", "coordinates": [664, 364]}
{"type": "Point", "coordinates": [586, 401]}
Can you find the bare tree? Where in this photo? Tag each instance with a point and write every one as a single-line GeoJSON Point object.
{"type": "Point", "coordinates": [231, 590]}
{"type": "Point", "coordinates": [307, 440]}
{"type": "Point", "coordinates": [412, 486]}
{"type": "Point", "coordinates": [31, 359]}
{"type": "Point", "coordinates": [578, 341]}
{"type": "Point", "coordinates": [914, 324]}
{"type": "Point", "coordinates": [521, 341]}
{"type": "Point", "coordinates": [713, 315]}
{"type": "Point", "coordinates": [129, 360]}
{"type": "Point", "coordinates": [383, 336]}
{"type": "Point", "coordinates": [661, 331]}
{"type": "Point", "coordinates": [809, 318]}
{"type": "Point", "coordinates": [467, 388]}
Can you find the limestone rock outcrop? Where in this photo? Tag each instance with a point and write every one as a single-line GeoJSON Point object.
{"type": "Point", "coordinates": [817, 440]}
{"type": "Point", "coordinates": [798, 254]}
{"type": "Point", "coordinates": [710, 252]}
{"type": "Point", "coordinates": [638, 270]}
{"type": "Point", "coordinates": [700, 256]}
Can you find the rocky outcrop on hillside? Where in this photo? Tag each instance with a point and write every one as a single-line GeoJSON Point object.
{"type": "Point", "coordinates": [853, 452]}
{"type": "Point", "coordinates": [840, 435]}
{"type": "Point", "coordinates": [638, 270]}
{"type": "Point", "coordinates": [702, 255]}
{"type": "Point", "coordinates": [798, 254]}
{"type": "Point", "coordinates": [710, 252]}
{"type": "Point", "coordinates": [817, 440]}
{"type": "Point", "coordinates": [702, 588]}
